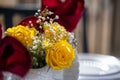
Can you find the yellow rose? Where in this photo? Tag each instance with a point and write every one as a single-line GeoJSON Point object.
{"type": "Point", "coordinates": [22, 33]}
{"type": "Point", "coordinates": [60, 55]}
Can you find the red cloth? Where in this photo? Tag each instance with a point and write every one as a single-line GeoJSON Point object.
{"type": "Point", "coordinates": [25, 21]}
{"type": "Point", "coordinates": [14, 57]}
{"type": "Point", "coordinates": [0, 32]}
{"type": "Point", "coordinates": [1, 76]}
{"type": "Point", "coordinates": [69, 11]}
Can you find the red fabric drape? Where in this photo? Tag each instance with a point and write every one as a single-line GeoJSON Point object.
{"type": "Point", "coordinates": [69, 11]}
{"type": "Point", "coordinates": [0, 32]}
{"type": "Point", "coordinates": [14, 57]}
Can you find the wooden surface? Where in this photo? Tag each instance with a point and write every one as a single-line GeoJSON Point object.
{"type": "Point", "coordinates": [115, 48]}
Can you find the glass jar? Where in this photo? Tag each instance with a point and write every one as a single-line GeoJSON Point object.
{"type": "Point", "coordinates": [44, 73]}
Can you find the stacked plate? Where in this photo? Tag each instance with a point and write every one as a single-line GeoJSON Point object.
{"type": "Point", "coordinates": [98, 67]}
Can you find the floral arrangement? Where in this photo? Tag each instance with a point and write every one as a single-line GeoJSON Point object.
{"type": "Point", "coordinates": [42, 39]}
{"type": "Point", "coordinates": [35, 42]}
{"type": "Point", "coordinates": [48, 42]}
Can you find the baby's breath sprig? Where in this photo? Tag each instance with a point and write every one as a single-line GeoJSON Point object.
{"type": "Point", "coordinates": [38, 53]}
{"type": "Point", "coordinates": [44, 16]}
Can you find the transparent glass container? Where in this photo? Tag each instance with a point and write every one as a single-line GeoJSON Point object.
{"type": "Point", "coordinates": [44, 73]}
{"type": "Point", "coordinates": [48, 74]}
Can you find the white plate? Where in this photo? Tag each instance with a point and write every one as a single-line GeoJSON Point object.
{"type": "Point", "coordinates": [100, 67]}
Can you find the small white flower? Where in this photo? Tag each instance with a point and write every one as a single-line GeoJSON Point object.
{"type": "Point", "coordinates": [39, 17]}
{"type": "Point", "coordinates": [43, 18]}
{"type": "Point", "coordinates": [34, 47]}
{"type": "Point", "coordinates": [31, 24]}
{"type": "Point", "coordinates": [30, 21]}
{"type": "Point", "coordinates": [36, 14]}
{"type": "Point", "coordinates": [45, 23]}
{"type": "Point", "coordinates": [50, 13]}
{"type": "Point", "coordinates": [39, 10]}
{"type": "Point", "coordinates": [56, 17]}
{"type": "Point", "coordinates": [40, 27]}
{"type": "Point", "coordinates": [35, 41]}
{"type": "Point", "coordinates": [48, 17]}
{"type": "Point", "coordinates": [62, 1]}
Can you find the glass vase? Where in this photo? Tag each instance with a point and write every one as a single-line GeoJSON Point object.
{"type": "Point", "coordinates": [44, 73]}
{"type": "Point", "coordinates": [47, 73]}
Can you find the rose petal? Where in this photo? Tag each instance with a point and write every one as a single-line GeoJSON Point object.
{"type": "Point", "coordinates": [14, 57]}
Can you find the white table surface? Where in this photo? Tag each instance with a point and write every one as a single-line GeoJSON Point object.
{"type": "Point", "coordinates": [101, 67]}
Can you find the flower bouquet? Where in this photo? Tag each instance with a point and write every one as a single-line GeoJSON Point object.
{"type": "Point", "coordinates": [44, 42]}
{"type": "Point", "coordinates": [38, 48]}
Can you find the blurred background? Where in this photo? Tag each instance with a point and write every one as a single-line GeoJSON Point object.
{"type": "Point", "coordinates": [97, 32]}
